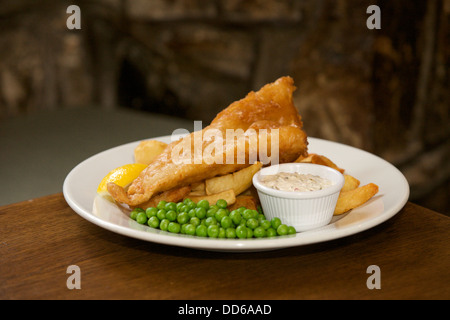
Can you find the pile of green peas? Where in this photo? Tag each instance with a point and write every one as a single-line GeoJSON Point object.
{"type": "Point", "coordinates": [214, 221]}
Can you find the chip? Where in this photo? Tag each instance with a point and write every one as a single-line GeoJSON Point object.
{"type": "Point", "coordinates": [351, 199]}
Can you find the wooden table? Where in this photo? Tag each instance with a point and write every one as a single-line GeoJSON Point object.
{"type": "Point", "coordinates": [41, 238]}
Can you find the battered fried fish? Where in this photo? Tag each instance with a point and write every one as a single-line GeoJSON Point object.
{"type": "Point", "coordinates": [266, 118]}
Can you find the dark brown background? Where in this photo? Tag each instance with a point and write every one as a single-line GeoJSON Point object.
{"type": "Point", "coordinates": [385, 91]}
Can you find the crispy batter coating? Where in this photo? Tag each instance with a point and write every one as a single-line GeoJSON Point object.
{"type": "Point", "coordinates": [269, 108]}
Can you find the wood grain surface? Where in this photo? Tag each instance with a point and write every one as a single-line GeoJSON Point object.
{"type": "Point", "coordinates": [41, 238]}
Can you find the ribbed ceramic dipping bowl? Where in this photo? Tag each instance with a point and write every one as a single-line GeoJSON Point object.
{"type": "Point", "coordinates": [302, 210]}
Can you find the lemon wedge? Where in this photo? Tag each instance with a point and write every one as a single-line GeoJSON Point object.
{"type": "Point", "coordinates": [122, 176]}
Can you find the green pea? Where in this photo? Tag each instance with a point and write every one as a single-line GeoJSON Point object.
{"type": "Point", "coordinates": [230, 233]}
{"type": "Point", "coordinates": [161, 204]}
{"type": "Point", "coordinates": [153, 222]}
{"type": "Point", "coordinates": [260, 217]}
{"type": "Point", "coordinates": [221, 203]}
{"type": "Point", "coordinates": [226, 222]}
{"type": "Point", "coordinates": [133, 214]}
{"type": "Point", "coordinates": [201, 231]}
{"type": "Point", "coordinates": [170, 206]}
{"type": "Point", "coordinates": [213, 231]}
{"type": "Point", "coordinates": [236, 217]}
{"type": "Point", "coordinates": [183, 217]}
{"type": "Point", "coordinates": [220, 214]}
{"type": "Point", "coordinates": [141, 217]}
{"type": "Point", "coordinates": [249, 233]}
{"type": "Point", "coordinates": [247, 214]}
{"type": "Point", "coordinates": [259, 232]}
{"type": "Point", "coordinates": [191, 205]}
{"type": "Point", "coordinates": [252, 223]}
{"type": "Point", "coordinates": [164, 224]}
{"type": "Point", "coordinates": [200, 212]}
{"type": "Point", "coordinates": [187, 200]}
{"type": "Point", "coordinates": [161, 214]}
{"type": "Point", "coordinates": [271, 232]}
{"type": "Point", "coordinates": [265, 224]}
{"type": "Point", "coordinates": [291, 230]}
{"type": "Point", "coordinates": [151, 212]}
{"type": "Point", "coordinates": [179, 206]}
{"type": "Point", "coordinates": [171, 215]}
{"type": "Point", "coordinates": [210, 221]}
{"type": "Point", "coordinates": [241, 209]}
{"type": "Point", "coordinates": [194, 221]}
{"type": "Point", "coordinates": [189, 229]}
{"type": "Point", "coordinates": [211, 212]}
{"type": "Point", "coordinates": [191, 213]}
{"type": "Point", "coordinates": [282, 230]}
{"type": "Point", "coordinates": [222, 233]}
{"type": "Point", "coordinates": [203, 204]}
{"type": "Point", "coordinates": [241, 232]}
{"type": "Point", "coordinates": [174, 227]}
{"type": "Point", "coordinates": [276, 222]}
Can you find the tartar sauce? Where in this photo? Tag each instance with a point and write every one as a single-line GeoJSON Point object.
{"type": "Point", "coordinates": [287, 181]}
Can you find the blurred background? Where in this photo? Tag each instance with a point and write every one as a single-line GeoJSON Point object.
{"type": "Point", "coordinates": [385, 91]}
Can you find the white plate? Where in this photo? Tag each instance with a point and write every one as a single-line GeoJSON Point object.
{"type": "Point", "coordinates": [81, 184]}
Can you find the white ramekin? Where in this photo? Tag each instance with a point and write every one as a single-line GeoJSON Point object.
{"type": "Point", "coordinates": [302, 210]}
